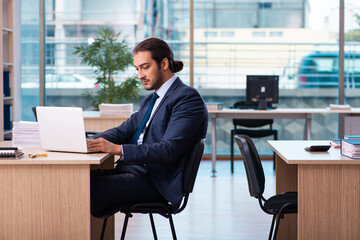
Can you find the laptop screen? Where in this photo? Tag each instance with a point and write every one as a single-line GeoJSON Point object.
{"type": "Point", "coordinates": [62, 129]}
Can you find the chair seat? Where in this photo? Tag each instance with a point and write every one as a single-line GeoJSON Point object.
{"type": "Point", "coordinates": [150, 208]}
{"type": "Point", "coordinates": [136, 208]}
{"type": "Point", "coordinates": [275, 203]}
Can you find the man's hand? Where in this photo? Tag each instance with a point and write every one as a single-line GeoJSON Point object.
{"type": "Point", "coordinates": [102, 145]}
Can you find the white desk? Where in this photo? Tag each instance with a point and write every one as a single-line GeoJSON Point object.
{"type": "Point", "coordinates": [49, 197]}
{"type": "Point", "coordinates": [281, 113]}
{"type": "Point", "coordinates": [328, 191]}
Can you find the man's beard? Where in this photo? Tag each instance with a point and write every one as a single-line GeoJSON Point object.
{"type": "Point", "coordinates": [158, 82]}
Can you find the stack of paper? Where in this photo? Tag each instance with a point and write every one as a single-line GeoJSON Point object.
{"type": "Point", "coordinates": [211, 106]}
{"type": "Point", "coordinates": [350, 148]}
{"type": "Point", "coordinates": [120, 110]}
{"type": "Point", "coordinates": [340, 107]}
{"type": "Point", "coordinates": [26, 134]}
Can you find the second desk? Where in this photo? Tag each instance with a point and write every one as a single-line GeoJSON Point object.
{"type": "Point", "coordinates": [280, 113]}
{"type": "Point", "coordinates": [94, 122]}
{"type": "Point", "coordinates": [328, 191]}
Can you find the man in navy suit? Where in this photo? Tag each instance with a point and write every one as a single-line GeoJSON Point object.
{"type": "Point", "coordinates": [150, 169]}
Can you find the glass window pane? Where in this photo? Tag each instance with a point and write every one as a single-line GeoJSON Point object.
{"type": "Point", "coordinates": [71, 23]}
{"type": "Point", "coordinates": [296, 40]}
{"type": "Point", "coordinates": [29, 58]}
{"type": "Point", "coordinates": [352, 53]}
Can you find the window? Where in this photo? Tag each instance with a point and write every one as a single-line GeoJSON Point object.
{"type": "Point", "coordinates": [228, 34]}
{"type": "Point", "coordinates": [210, 34]}
{"type": "Point", "coordinates": [259, 34]}
{"type": "Point", "coordinates": [232, 39]}
{"type": "Point", "coordinates": [276, 34]}
{"type": "Point", "coordinates": [30, 69]}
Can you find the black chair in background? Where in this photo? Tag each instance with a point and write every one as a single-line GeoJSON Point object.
{"type": "Point", "coordinates": [34, 111]}
{"type": "Point", "coordinates": [192, 161]}
{"type": "Point", "coordinates": [278, 205]}
{"type": "Point", "coordinates": [248, 127]}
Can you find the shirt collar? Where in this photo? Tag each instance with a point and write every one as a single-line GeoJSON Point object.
{"type": "Point", "coordinates": [165, 87]}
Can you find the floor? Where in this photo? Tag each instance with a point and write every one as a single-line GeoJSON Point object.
{"type": "Point", "coordinates": [219, 208]}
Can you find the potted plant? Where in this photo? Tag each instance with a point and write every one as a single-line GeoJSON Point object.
{"type": "Point", "coordinates": [109, 55]}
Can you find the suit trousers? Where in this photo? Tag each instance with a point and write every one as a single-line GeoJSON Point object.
{"type": "Point", "coordinates": [122, 185]}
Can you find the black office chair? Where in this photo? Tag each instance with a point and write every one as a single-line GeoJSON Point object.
{"type": "Point", "coordinates": [278, 205]}
{"type": "Point", "coordinates": [248, 126]}
{"type": "Point", "coordinates": [34, 111]}
{"type": "Point", "coordinates": [192, 161]}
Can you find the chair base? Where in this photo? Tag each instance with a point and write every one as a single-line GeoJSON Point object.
{"type": "Point", "coordinates": [126, 220]}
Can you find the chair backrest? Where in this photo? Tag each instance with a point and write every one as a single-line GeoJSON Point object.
{"type": "Point", "coordinates": [253, 167]}
{"type": "Point", "coordinates": [253, 123]}
{"type": "Point", "coordinates": [192, 161]}
{"type": "Point", "coordinates": [250, 123]}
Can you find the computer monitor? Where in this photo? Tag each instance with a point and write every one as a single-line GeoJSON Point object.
{"type": "Point", "coordinates": [262, 89]}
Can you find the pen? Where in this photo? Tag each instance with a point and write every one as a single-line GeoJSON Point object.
{"type": "Point", "coordinates": [31, 155]}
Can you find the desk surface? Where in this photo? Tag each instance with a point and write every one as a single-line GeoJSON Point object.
{"type": "Point", "coordinates": [54, 157]}
{"type": "Point", "coordinates": [293, 152]}
{"type": "Point", "coordinates": [277, 110]}
{"type": "Point", "coordinates": [284, 110]}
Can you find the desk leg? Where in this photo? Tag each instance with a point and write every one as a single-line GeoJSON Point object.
{"type": "Point", "coordinates": [307, 130]}
{"type": "Point", "coordinates": [96, 223]}
{"type": "Point", "coordinates": [286, 181]}
{"type": "Point", "coordinates": [213, 144]}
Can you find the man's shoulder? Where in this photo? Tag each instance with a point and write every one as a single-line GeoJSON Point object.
{"type": "Point", "coordinates": [183, 88]}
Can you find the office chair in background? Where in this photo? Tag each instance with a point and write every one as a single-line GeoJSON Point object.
{"type": "Point", "coordinates": [248, 128]}
{"type": "Point", "coordinates": [278, 205]}
{"type": "Point", "coordinates": [192, 161]}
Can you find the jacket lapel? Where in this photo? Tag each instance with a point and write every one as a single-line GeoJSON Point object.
{"type": "Point", "coordinates": [175, 85]}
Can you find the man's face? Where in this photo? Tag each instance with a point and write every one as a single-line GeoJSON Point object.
{"type": "Point", "coordinates": [149, 73]}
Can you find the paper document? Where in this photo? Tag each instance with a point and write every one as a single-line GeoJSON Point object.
{"type": "Point", "coordinates": [119, 110]}
{"type": "Point", "coordinates": [350, 148]}
{"type": "Point", "coordinates": [340, 107]}
{"type": "Point", "coordinates": [26, 134]}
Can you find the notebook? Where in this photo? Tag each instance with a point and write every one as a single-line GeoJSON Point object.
{"type": "Point", "coordinates": [62, 129]}
{"type": "Point", "coordinates": [11, 152]}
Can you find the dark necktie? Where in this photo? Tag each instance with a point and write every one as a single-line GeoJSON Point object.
{"type": "Point", "coordinates": [145, 119]}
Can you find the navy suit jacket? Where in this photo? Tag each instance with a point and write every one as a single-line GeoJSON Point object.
{"type": "Point", "coordinates": [180, 120]}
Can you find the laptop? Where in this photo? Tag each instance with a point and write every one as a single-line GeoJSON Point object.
{"type": "Point", "coordinates": [62, 129]}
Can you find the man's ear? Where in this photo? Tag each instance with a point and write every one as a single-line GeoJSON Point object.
{"type": "Point", "coordinates": [165, 64]}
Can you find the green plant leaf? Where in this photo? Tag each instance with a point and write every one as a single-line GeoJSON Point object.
{"type": "Point", "coordinates": [109, 55]}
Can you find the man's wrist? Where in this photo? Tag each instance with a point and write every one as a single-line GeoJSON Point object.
{"type": "Point", "coordinates": [121, 152]}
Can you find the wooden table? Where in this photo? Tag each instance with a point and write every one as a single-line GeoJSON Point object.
{"type": "Point", "coordinates": [328, 186]}
{"type": "Point", "coordinates": [280, 113]}
{"type": "Point", "coordinates": [94, 122]}
{"type": "Point", "coordinates": [49, 197]}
